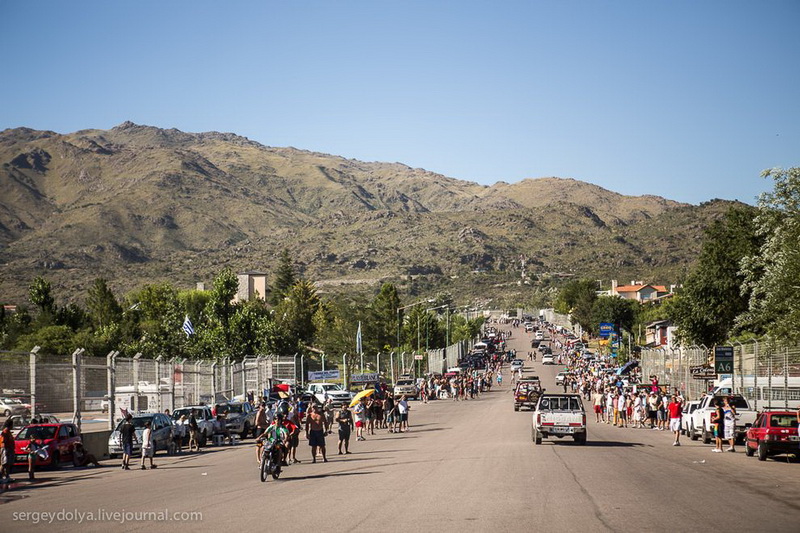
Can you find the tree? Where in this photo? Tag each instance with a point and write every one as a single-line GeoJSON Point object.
{"type": "Point", "coordinates": [615, 310]}
{"type": "Point", "coordinates": [771, 272]}
{"type": "Point", "coordinates": [102, 305]}
{"type": "Point", "coordinates": [384, 315]}
{"type": "Point", "coordinates": [712, 297]}
{"type": "Point", "coordinates": [576, 299]}
{"type": "Point", "coordinates": [40, 293]}
{"type": "Point", "coordinates": [285, 278]}
{"type": "Point", "coordinates": [296, 312]}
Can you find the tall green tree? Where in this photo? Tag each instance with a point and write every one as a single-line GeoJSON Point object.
{"type": "Point", "coordinates": [385, 316]}
{"type": "Point", "coordinates": [285, 278]}
{"type": "Point", "coordinates": [771, 272]}
{"type": "Point", "coordinates": [576, 299]}
{"type": "Point", "coordinates": [296, 312]}
{"type": "Point", "coordinates": [712, 297]}
{"type": "Point", "coordinates": [40, 293]}
{"type": "Point", "coordinates": [615, 310]}
{"type": "Point", "coordinates": [102, 305]}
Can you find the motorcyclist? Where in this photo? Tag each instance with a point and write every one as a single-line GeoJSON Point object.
{"type": "Point", "coordinates": [276, 432]}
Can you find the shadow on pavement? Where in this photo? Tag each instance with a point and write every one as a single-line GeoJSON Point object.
{"type": "Point", "coordinates": [322, 476]}
{"type": "Point", "coordinates": [612, 444]}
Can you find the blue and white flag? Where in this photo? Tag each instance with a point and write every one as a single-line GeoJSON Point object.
{"type": "Point", "coordinates": [187, 327]}
{"type": "Point", "coordinates": [358, 339]}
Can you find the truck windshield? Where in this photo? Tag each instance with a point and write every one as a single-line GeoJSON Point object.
{"type": "Point", "coordinates": [560, 403]}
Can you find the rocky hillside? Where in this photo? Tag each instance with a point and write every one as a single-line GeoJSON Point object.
{"type": "Point", "coordinates": [136, 204]}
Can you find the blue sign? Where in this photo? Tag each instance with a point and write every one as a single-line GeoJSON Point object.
{"type": "Point", "coordinates": [606, 329]}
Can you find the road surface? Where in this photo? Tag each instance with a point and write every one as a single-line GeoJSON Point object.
{"type": "Point", "coordinates": [464, 466]}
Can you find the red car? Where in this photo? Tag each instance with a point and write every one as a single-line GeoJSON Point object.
{"type": "Point", "coordinates": [59, 439]}
{"type": "Point", "coordinates": [773, 433]}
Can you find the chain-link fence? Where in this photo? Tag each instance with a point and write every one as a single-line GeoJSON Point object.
{"type": "Point", "coordinates": [765, 373]}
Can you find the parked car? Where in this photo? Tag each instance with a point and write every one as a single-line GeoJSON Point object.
{"type": "Point", "coordinates": [20, 421]}
{"type": "Point", "coordinates": [240, 417]}
{"type": "Point", "coordinates": [59, 440]}
{"type": "Point", "coordinates": [12, 406]}
{"type": "Point", "coordinates": [548, 359]}
{"type": "Point", "coordinates": [686, 418]}
{"type": "Point", "coordinates": [773, 433]}
{"type": "Point", "coordinates": [406, 387]}
{"type": "Point", "coordinates": [160, 424]}
{"type": "Point", "coordinates": [334, 391]}
{"type": "Point", "coordinates": [559, 415]}
{"type": "Point", "coordinates": [205, 421]}
{"type": "Point", "coordinates": [701, 418]}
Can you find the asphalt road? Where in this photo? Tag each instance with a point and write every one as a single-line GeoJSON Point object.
{"type": "Point", "coordinates": [464, 466]}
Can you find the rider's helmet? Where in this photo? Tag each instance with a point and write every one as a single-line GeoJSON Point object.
{"type": "Point", "coordinates": [283, 408]}
{"type": "Point", "coordinates": [279, 417]}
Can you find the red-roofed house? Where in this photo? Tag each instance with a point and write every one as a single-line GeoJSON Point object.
{"type": "Point", "coordinates": [638, 291]}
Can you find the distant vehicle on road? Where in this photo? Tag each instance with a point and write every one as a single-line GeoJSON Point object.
{"type": "Point", "coordinates": [539, 335]}
{"type": "Point", "coordinates": [559, 415]}
{"type": "Point", "coordinates": [548, 359]}
{"type": "Point", "coordinates": [527, 393]}
{"type": "Point", "coordinates": [334, 391]}
{"type": "Point", "coordinates": [773, 433]}
{"type": "Point", "coordinates": [406, 387]}
{"type": "Point", "coordinates": [204, 418]}
{"type": "Point", "coordinates": [517, 364]}
{"type": "Point", "coordinates": [240, 417]}
{"type": "Point", "coordinates": [560, 377]}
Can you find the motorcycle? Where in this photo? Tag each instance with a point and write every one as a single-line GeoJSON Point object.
{"type": "Point", "coordinates": [270, 460]}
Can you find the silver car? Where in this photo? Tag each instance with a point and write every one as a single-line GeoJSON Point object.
{"type": "Point", "coordinates": [160, 425]}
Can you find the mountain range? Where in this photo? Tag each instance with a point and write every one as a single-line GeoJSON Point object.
{"type": "Point", "coordinates": [137, 204]}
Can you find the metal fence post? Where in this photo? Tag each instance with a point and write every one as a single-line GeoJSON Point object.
{"type": "Point", "coordinates": [111, 386]}
{"type": "Point", "coordinates": [213, 381]}
{"type": "Point", "coordinates": [244, 378]}
{"type": "Point", "coordinates": [755, 374]}
{"type": "Point", "coordinates": [136, 359]}
{"type": "Point", "coordinates": [172, 384]}
{"type": "Point", "coordinates": [76, 387]}
{"type": "Point", "coordinates": [786, 378]}
{"type": "Point", "coordinates": [159, 406]}
{"type": "Point", "coordinates": [33, 353]}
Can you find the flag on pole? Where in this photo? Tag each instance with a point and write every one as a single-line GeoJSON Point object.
{"type": "Point", "coordinates": [187, 327]}
{"type": "Point", "coordinates": [358, 339]}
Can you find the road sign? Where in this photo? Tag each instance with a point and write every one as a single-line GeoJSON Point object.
{"type": "Point", "coordinates": [703, 372]}
{"type": "Point", "coordinates": [327, 374]}
{"type": "Point", "coordinates": [606, 329]}
{"type": "Point", "coordinates": [419, 357]}
{"type": "Point", "coordinates": [723, 359]}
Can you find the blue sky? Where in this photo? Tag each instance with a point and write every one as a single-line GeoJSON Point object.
{"type": "Point", "coordinates": [684, 99]}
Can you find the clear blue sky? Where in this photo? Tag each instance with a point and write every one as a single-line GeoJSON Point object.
{"type": "Point", "coordinates": [685, 99]}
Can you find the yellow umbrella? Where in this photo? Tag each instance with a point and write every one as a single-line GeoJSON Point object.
{"type": "Point", "coordinates": [362, 394]}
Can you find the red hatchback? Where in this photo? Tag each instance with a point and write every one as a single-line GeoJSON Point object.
{"type": "Point", "coordinates": [59, 439]}
{"type": "Point", "coordinates": [773, 433]}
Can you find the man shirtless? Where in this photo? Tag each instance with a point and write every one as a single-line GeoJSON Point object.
{"type": "Point", "coordinates": [315, 432]}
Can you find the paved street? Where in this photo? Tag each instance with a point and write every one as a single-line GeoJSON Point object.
{"type": "Point", "coordinates": [464, 466]}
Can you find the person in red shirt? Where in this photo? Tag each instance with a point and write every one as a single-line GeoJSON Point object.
{"type": "Point", "coordinates": [675, 410]}
{"type": "Point", "coordinates": [294, 441]}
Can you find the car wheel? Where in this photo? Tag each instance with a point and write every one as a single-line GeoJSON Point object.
{"type": "Point", "coordinates": [706, 436]}
{"type": "Point", "coordinates": [748, 451]}
{"type": "Point", "coordinates": [516, 407]}
{"type": "Point", "coordinates": [693, 433]}
{"type": "Point", "coordinates": [762, 451]}
{"type": "Point", "coordinates": [112, 456]}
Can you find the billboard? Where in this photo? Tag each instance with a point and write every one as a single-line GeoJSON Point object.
{"type": "Point", "coordinates": [606, 329]}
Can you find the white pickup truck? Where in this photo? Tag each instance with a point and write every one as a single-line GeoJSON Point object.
{"type": "Point", "coordinates": [332, 391]}
{"type": "Point", "coordinates": [559, 415]}
{"type": "Point", "coordinates": [701, 417]}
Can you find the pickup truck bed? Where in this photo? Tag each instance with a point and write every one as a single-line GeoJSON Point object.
{"type": "Point", "coordinates": [559, 415]}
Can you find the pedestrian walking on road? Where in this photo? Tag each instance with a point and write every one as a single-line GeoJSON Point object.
{"type": "Point", "coordinates": [7, 456]}
{"type": "Point", "coordinates": [315, 432]}
{"type": "Point", "coordinates": [675, 410]}
{"type": "Point", "coordinates": [127, 435]}
{"type": "Point", "coordinates": [402, 415]}
{"type": "Point", "coordinates": [148, 446]}
{"type": "Point", "coordinates": [597, 402]}
{"type": "Point", "coordinates": [729, 417]}
{"type": "Point", "coordinates": [360, 411]}
{"type": "Point", "coordinates": [345, 420]}
{"type": "Point", "coordinates": [717, 421]}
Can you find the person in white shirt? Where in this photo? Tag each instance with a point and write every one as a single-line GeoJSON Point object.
{"type": "Point", "coordinates": [148, 446]}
